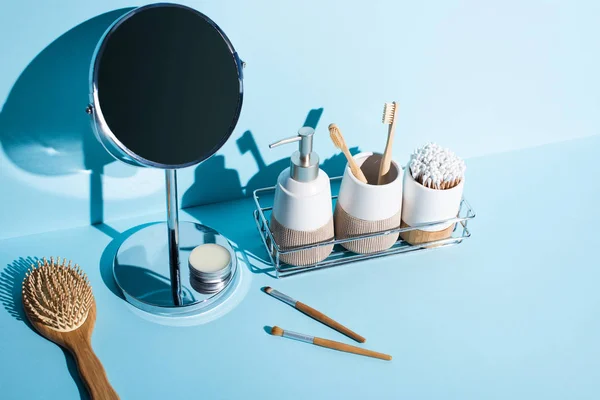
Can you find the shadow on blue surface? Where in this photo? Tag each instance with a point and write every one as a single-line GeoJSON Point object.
{"type": "Point", "coordinates": [214, 182]}
{"type": "Point", "coordinates": [11, 280]}
{"type": "Point", "coordinates": [43, 127]}
{"type": "Point", "coordinates": [107, 261]}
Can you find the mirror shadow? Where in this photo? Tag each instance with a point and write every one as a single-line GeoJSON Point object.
{"type": "Point", "coordinates": [214, 183]}
{"type": "Point", "coordinates": [44, 129]}
{"type": "Point", "coordinates": [145, 284]}
{"type": "Point", "coordinates": [11, 280]}
{"type": "Point", "coordinates": [138, 281]}
{"type": "Point", "coordinates": [107, 261]}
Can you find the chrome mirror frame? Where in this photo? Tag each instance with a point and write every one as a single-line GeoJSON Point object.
{"type": "Point", "coordinates": [179, 305]}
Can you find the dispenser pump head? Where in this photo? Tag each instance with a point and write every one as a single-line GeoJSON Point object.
{"type": "Point", "coordinates": [304, 162]}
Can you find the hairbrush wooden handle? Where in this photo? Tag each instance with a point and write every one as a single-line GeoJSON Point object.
{"type": "Point", "coordinates": [69, 322]}
{"type": "Point", "coordinates": [91, 370]}
{"type": "Point", "coordinates": [331, 344]}
{"type": "Point", "coordinates": [319, 316]}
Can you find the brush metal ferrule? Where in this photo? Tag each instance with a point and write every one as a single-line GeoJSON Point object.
{"type": "Point", "coordinates": [283, 297]}
{"type": "Point", "coordinates": [298, 336]}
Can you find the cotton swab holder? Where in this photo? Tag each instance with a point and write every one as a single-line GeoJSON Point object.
{"type": "Point", "coordinates": [364, 208]}
{"type": "Point", "coordinates": [433, 189]}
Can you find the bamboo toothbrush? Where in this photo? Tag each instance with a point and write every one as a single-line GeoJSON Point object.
{"type": "Point", "coordinates": [330, 344]}
{"type": "Point", "coordinates": [340, 143]}
{"type": "Point", "coordinates": [390, 111]}
{"type": "Point", "coordinates": [311, 312]}
{"type": "Point", "coordinates": [59, 303]}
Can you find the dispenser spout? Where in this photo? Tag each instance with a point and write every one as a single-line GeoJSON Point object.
{"type": "Point", "coordinates": [305, 162]}
{"type": "Point", "coordinates": [304, 136]}
{"type": "Point", "coordinates": [285, 141]}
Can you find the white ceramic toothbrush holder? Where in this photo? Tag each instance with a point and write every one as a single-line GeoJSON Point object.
{"type": "Point", "coordinates": [422, 205]}
{"type": "Point", "coordinates": [364, 208]}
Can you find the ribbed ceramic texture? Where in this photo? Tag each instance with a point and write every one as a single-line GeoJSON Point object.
{"type": "Point", "coordinates": [347, 226]}
{"type": "Point", "coordinates": [287, 239]}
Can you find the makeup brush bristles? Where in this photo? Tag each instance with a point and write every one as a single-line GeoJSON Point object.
{"type": "Point", "coordinates": [389, 111]}
{"type": "Point", "coordinates": [277, 331]}
{"type": "Point", "coordinates": [57, 295]}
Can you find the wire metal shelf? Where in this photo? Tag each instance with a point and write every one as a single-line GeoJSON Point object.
{"type": "Point", "coordinates": [263, 199]}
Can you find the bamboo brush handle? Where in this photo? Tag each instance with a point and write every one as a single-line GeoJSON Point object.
{"type": "Point", "coordinates": [386, 159]}
{"type": "Point", "coordinates": [356, 171]}
{"type": "Point", "coordinates": [92, 372]}
{"type": "Point", "coordinates": [330, 344]}
{"type": "Point", "coordinates": [319, 316]}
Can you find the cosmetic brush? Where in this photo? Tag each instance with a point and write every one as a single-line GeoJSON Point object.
{"type": "Point", "coordinates": [390, 111]}
{"type": "Point", "coordinates": [311, 312]}
{"type": "Point", "coordinates": [340, 143]}
{"type": "Point", "coordinates": [59, 303]}
{"type": "Point", "coordinates": [330, 344]}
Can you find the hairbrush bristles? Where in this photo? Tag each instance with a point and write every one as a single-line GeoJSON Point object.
{"type": "Point", "coordinates": [57, 295]}
{"type": "Point", "coordinates": [389, 112]}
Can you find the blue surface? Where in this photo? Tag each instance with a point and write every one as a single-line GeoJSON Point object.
{"type": "Point", "coordinates": [478, 77]}
{"type": "Point", "coordinates": [510, 314]}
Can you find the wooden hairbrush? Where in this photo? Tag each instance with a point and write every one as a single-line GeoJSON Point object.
{"type": "Point", "coordinates": [59, 303]}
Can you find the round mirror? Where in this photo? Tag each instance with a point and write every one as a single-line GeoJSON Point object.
{"type": "Point", "coordinates": [166, 87]}
{"type": "Point", "coordinates": [166, 92]}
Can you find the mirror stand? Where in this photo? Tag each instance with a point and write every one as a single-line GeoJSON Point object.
{"type": "Point", "coordinates": [147, 268]}
{"type": "Point", "coordinates": [128, 68]}
{"type": "Point", "coordinates": [173, 233]}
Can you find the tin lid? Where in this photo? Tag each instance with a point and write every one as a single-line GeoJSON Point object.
{"type": "Point", "coordinates": [210, 267]}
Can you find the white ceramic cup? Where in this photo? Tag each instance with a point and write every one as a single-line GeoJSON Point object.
{"type": "Point", "coordinates": [422, 205]}
{"type": "Point", "coordinates": [367, 207]}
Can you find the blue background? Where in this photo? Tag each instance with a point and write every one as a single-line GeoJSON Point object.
{"type": "Point", "coordinates": [478, 77]}
{"type": "Point", "coordinates": [511, 313]}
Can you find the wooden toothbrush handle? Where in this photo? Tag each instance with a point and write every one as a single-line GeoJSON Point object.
{"type": "Point", "coordinates": [353, 167]}
{"type": "Point", "coordinates": [330, 344]}
{"type": "Point", "coordinates": [92, 372]}
{"type": "Point", "coordinates": [386, 159]}
{"type": "Point", "coordinates": [319, 316]}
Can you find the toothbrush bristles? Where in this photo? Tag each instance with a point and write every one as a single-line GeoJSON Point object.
{"type": "Point", "coordinates": [389, 110]}
{"type": "Point", "coordinates": [336, 136]}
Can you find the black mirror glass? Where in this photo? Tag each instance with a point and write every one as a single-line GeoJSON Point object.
{"type": "Point", "coordinates": [167, 87]}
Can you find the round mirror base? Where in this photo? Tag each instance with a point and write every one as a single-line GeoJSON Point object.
{"type": "Point", "coordinates": [141, 270]}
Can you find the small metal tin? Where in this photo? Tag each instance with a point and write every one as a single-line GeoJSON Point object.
{"type": "Point", "coordinates": [211, 282]}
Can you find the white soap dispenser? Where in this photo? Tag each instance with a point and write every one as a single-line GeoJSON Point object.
{"type": "Point", "coordinates": [302, 212]}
